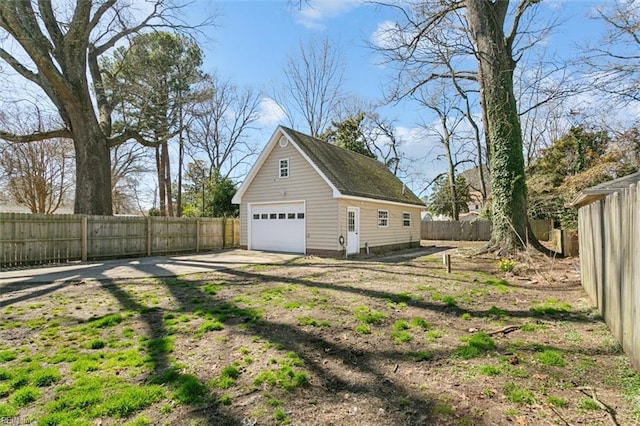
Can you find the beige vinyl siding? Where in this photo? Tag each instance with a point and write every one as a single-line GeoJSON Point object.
{"type": "Point", "coordinates": [303, 183]}
{"type": "Point", "coordinates": [394, 233]}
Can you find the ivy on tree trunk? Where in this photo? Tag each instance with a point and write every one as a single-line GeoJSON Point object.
{"type": "Point", "coordinates": [495, 73]}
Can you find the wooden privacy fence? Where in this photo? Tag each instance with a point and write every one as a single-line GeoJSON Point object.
{"type": "Point", "coordinates": [477, 230]}
{"type": "Point", "coordinates": [27, 239]}
{"type": "Point", "coordinates": [609, 234]}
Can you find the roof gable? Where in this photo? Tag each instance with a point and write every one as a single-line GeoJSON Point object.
{"type": "Point", "coordinates": [347, 173]}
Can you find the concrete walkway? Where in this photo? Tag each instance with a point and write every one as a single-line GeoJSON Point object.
{"type": "Point", "coordinates": [142, 267]}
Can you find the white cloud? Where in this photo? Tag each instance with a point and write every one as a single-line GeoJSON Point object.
{"type": "Point", "coordinates": [313, 14]}
{"type": "Point", "coordinates": [387, 35]}
{"type": "Point", "coordinates": [271, 113]}
{"type": "Point", "coordinates": [410, 135]}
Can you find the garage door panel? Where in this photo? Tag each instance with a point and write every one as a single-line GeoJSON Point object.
{"type": "Point", "coordinates": [278, 227]}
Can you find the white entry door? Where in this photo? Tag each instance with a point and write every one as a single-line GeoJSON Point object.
{"type": "Point", "coordinates": [353, 230]}
{"type": "Point", "coordinates": [277, 227]}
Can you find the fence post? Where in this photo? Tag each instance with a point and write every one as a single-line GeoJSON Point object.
{"type": "Point", "coordinates": [197, 235]}
{"type": "Point", "coordinates": [224, 232]}
{"type": "Point", "coordinates": [446, 259]}
{"type": "Point", "coordinates": [149, 236]}
{"type": "Point", "coordinates": [84, 235]}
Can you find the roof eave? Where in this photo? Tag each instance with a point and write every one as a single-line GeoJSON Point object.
{"type": "Point", "coordinates": [380, 201]}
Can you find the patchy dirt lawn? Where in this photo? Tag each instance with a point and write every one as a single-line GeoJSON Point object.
{"type": "Point", "coordinates": [378, 341]}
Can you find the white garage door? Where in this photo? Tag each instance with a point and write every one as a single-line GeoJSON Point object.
{"type": "Point", "coordinates": [277, 227]}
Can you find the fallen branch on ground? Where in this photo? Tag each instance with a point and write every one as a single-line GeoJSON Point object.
{"type": "Point", "coordinates": [610, 411]}
{"type": "Point", "coordinates": [505, 330]}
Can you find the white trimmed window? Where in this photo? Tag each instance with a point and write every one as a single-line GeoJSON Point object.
{"type": "Point", "coordinates": [406, 219]}
{"type": "Point", "coordinates": [283, 170]}
{"type": "Point", "coordinates": [383, 218]}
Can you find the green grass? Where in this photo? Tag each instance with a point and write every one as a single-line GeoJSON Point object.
{"type": "Point", "coordinates": [363, 329]}
{"type": "Point", "coordinates": [588, 404]}
{"type": "Point", "coordinates": [501, 285]}
{"type": "Point", "coordinates": [128, 400]}
{"type": "Point", "coordinates": [629, 381]}
{"type": "Point", "coordinates": [367, 316]}
{"type": "Point", "coordinates": [433, 335]}
{"type": "Point", "coordinates": [421, 356]}
{"type": "Point", "coordinates": [212, 289]}
{"type": "Point", "coordinates": [227, 377]}
{"type": "Point", "coordinates": [96, 344]}
{"type": "Point", "coordinates": [550, 307]}
{"type": "Point", "coordinates": [281, 417]}
{"type": "Point", "coordinates": [160, 345]}
{"type": "Point", "coordinates": [403, 297]}
{"type": "Point", "coordinates": [140, 421]}
{"type": "Point", "coordinates": [45, 377]}
{"type": "Point", "coordinates": [209, 325]}
{"type": "Point", "coordinates": [450, 301]}
{"type": "Point", "coordinates": [476, 345]}
{"type": "Point", "coordinates": [186, 388]}
{"type": "Point", "coordinates": [550, 357]}
{"type": "Point", "coordinates": [490, 370]}
{"type": "Point", "coordinates": [225, 399]}
{"type": "Point", "coordinates": [420, 323]}
{"type": "Point", "coordinates": [25, 395]}
{"type": "Point", "coordinates": [532, 327]}
{"type": "Point", "coordinates": [284, 376]}
{"type": "Point", "coordinates": [400, 336]}
{"type": "Point", "coordinates": [189, 390]}
{"type": "Point", "coordinates": [5, 373]}
{"type": "Point", "coordinates": [308, 321]}
{"type": "Point", "coordinates": [7, 411]}
{"type": "Point", "coordinates": [494, 311]}
{"type": "Point", "coordinates": [518, 395]}
{"type": "Point", "coordinates": [556, 401]}
{"type": "Point", "coordinates": [109, 320]}
{"type": "Point", "coordinates": [401, 325]}
{"type": "Point", "coordinates": [6, 356]}
{"type": "Point", "coordinates": [85, 365]}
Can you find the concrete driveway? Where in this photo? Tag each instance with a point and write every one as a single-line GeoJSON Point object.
{"type": "Point", "coordinates": [143, 267]}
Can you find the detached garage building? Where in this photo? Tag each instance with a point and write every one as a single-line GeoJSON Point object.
{"type": "Point", "coordinates": [305, 195]}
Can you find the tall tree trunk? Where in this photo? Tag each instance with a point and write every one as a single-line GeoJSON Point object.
{"type": "Point", "coordinates": [160, 171]}
{"type": "Point", "coordinates": [93, 165]}
{"type": "Point", "coordinates": [453, 193]}
{"type": "Point", "coordinates": [167, 178]}
{"type": "Point", "coordinates": [496, 65]}
{"type": "Point", "coordinates": [180, 161]}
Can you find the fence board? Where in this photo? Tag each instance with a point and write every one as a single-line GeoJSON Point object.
{"type": "Point", "coordinates": [477, 230]}
{"type": "Point", "coordinates": [28, 239]}
{"type": "Point", "coordinates": [610, 263]}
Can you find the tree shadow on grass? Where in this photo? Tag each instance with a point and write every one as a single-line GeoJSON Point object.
{"type": "Point", "coordinates": [375, 366]}
{"type": "Point", "coordinates": [442, 308]}
{"type": "Point", "coordinates": [316, 351]}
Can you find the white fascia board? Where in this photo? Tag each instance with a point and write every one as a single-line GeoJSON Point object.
{"type": "Point", "coordinates": [237, 198]}
{"type": "Point", "coordinates": [378, 201]}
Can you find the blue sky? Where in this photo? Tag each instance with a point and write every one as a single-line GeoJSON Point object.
{"type": "Point", "coordinates": [254, 37]}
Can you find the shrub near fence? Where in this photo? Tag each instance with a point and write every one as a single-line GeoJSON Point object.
{"type": "Point", "coordinates": [28, 239]}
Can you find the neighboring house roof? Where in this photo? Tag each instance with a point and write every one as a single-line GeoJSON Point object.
{"type": "Point", "coordinates": [349, 174]}
{"type": "Point", "coordinates": [597, 192]}
{"type": "Point", "coordinates": [472, 177]}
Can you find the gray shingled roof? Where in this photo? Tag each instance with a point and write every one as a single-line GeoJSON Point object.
{"type": "Point", "coordinates": [352, 173]}
{"type": "Point", "coordinates": [597, 192]}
